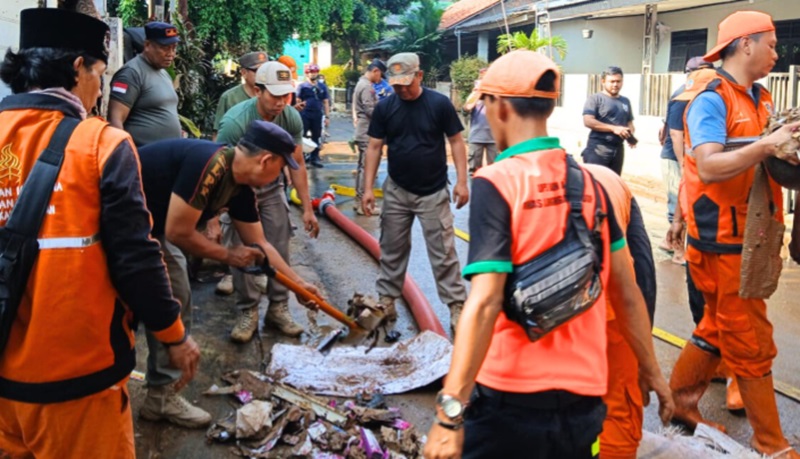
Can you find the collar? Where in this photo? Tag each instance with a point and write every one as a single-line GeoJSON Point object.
{"type": "Point", "coordinates": [41, 102]}
{"type": "Point", "coordinates": [754, 91]}
{"type": "Point", "coordinates": [528, 146]}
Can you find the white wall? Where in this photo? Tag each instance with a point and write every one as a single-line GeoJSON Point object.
{"type": "Point", "coordinates": [616, 41]}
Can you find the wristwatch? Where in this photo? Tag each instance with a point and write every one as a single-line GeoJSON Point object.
{"type": "Point", "coordinates": [451, 407]}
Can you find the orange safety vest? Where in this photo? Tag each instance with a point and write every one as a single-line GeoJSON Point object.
{"type": "Point", "coordinates": [72, 335]}
{"type": "Point", "coordinates": [573, 356]}
{"type": "Point", "coordinates": [717, 211]}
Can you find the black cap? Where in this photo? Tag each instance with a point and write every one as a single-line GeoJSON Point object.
{"type": "Point", "coordinates": [55, 28]}
{"type": "Point", "coordinates": [272, 138]}
{"type": "Point", "coordinates": [161, 33]}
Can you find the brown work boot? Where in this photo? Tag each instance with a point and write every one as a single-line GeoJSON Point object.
{"type": "Point", "coordinates": [689, 381]}
{"type": "Point", "coordinates": [390, 310]}
{"type": "Point", "coordinates": [246, 326]}
{"type": "Point", "coordinates": [278, 316]}
{"type": "Point", "coordinates": [455, 315]}
{"type": "Point", "coordinates": [225, 285]}
{"type": "Point", "coordinates": [762, 412]}
{"type": "Point", "coordinates": [733, 398]}
{"type": "Point", "coordinates": [164, 404]}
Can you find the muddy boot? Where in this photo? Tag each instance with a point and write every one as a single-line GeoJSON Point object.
{"type": "Point", "coordinates": [225, 285]}
{"type": "Point", "coordinates": [246, 326]}
{"type": "Point", "coordinates": [733, 398]}
{"type": "Point", "coordinates": [278, 316]}
{"type": "Point", "coordinates": [762, 412]}
{"type": "Point", "coordinates": [164, 404]}
{"type": "Point", "coordinates": [390, 310]}
{"type": "Point", "coordinates": [455, 314]}
{"type": "Point", "coordinates": [689, 381]}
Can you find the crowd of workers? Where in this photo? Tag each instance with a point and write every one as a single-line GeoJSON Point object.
{"type": "Point", "coordinates": [132, 199]}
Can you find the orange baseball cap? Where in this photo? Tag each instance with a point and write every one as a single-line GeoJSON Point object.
{"type": "Point", "coordinates": [516, 75]}
{"type": "Point", "coordinates": [737, 25]}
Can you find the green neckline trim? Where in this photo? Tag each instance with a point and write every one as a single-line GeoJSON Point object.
{"type": "Point", "coordinates": [536, 144]}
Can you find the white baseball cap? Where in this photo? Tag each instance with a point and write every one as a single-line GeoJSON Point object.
{"type": "Point", "coordinates": [276, 77]}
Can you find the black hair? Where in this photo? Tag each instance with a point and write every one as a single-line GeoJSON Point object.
{"type": "Point", "coordinates": [535, 107]}
{"type": "Point", "coordinates": [41, 68]}
{"type": "Point", "coordinates": [612, 70]}
{"type": "Point", "coordinates": [249, 148]}
{"type": "Point", "coordinates": [730, 50]}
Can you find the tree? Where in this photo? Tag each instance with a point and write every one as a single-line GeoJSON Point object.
{"type": "Point", "coordinates": [420, 34]}
{"type": "Point", "coordinates": [519, 40]}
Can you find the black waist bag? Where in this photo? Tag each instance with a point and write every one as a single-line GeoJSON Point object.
{"type": "Point", "coordinates": [19, 246]}
{"type": "Point", "coordinates": [564, 281]}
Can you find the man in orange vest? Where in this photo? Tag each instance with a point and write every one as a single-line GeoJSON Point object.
{"type": "Point", "coordinates": [726, 111]}
{"type": "Point", "coordinates": [534, 399]}
{"type": "Point", "coordinates": [64, 371]}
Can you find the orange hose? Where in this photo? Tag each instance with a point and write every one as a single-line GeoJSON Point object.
{"type": "Point", "coordinates": [320, 303]}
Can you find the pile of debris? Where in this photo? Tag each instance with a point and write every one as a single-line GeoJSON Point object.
{"type": "Point", "coordinates": [276, 420]}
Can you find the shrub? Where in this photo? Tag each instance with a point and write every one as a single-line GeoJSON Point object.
{"type": "Point", "coordinates": [463, 73]}
{"type": "Point", "coordinates": [334, 76]}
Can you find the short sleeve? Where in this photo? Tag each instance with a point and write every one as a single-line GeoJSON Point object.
{"type": "Point", "coordinates": [630, 109]}
{"type": "Point", "coordinates": [490, 231]}
{"type": "Point", "coordinates": [294, 125]}
{"type": "Point", "coordinates": [126, 86]}
{"type": "Point", "coordinates": [452, 124]}
{"type": "Point", "coordinates": [197, 179]}
{"type": "Point", "coordinates": [229, 130]}
{"type": "Point", "coordinates": [326, 94]}
{"type": "Point", "coordinates": [377, 126]}
{"type": "Point", "coordinates": [675, 111]}
{"type": "Point", "coordinates": [242, 206]}
{"type": "Point", "coordinates": [706, 119]}
{"type": "Point", "coordinates": [591, 105]}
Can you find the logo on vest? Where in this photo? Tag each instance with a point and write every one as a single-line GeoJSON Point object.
{"type": "Point", "coordinates": [770, 108]}
{"type": "Point", "coordinates": [9, 167]}
{"type": "Point", "coordinates": [689, 84]}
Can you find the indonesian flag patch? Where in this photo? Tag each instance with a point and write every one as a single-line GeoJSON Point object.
{"type": "Point", "coordinates": [121, 88]}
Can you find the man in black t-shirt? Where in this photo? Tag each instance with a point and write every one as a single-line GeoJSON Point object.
{"type": "Point", "coordinates": [610, 117]}
{"type": "Point", "coordinates": [414, 122]}
{"type": "Point", "coordinates": [186, 182]}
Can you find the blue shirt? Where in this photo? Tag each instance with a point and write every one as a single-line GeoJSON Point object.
{"type": "Point", "coordinates": [383, 89]}
{"type": "Point", "coordinates": [313, 96]}
{"type": "Point", "coordinates": [706, 119]}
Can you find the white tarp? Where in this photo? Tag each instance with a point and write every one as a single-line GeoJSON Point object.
{"type": "Point", "coordinates": [347, 371]}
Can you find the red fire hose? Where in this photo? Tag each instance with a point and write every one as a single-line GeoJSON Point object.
{"type": "Point", "coordinates": [420, 308]}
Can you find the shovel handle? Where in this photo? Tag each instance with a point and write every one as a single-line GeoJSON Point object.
{"type": "Point", "coordinates": [322, 304]}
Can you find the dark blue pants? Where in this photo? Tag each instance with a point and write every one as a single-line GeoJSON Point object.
{"type": "Point", "coordinates": [642, 253]}
{"type": "Point", "coordinates": [495, 428]}
{"type": "Point", "coordinates": [313, 122]}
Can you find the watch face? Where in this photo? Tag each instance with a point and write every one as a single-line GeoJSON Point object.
{"type": "Point", "coordinates": [451, 407]}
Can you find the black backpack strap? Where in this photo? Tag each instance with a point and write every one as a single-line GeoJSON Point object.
{"type": "Point", "coordinates": [29, 211]}
{"type": "Point", "coordinates": [575, 194]}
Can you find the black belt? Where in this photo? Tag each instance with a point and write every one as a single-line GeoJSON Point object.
{"type": "Point", "coordinates": [546, 400]}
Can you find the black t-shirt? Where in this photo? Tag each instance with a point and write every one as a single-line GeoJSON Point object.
{"type": "Point", "coordinates": [609, 110]}
{"type": "Point", "coordinates": [199, 171]}
{"type": "Point", "coordinates": [415, 133]}
{"type": "Point", "coordinates": [675, 110]}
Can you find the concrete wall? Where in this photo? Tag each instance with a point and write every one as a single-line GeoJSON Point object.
{"type": "Point", "coordinates": [9, 28]}
{"type": "Point", "coordinates": [616, 41]}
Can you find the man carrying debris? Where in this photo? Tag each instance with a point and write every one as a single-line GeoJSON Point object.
{"type": "Point", "coordinates": [724, 110]}
{"type": "Point", "coordinates": [610, 117]}
{"type": "Point", "coordinates": [273, 86]}
{"type": "Point", "coordinates": [538, 395]}
{"type": "Point", "coordinates": [70, 349]}
{"type": "Point", "coordinates": [414, 122]}
{"type": "Point", "coordinates": [248, 65]}
{"type": "Point", "coordinates": [364, 101]}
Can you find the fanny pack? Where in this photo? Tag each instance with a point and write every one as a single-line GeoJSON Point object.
{"type": "Point", "coordinates": [19, 245]}
{"type": "Point", "coordinates": [564, 281]}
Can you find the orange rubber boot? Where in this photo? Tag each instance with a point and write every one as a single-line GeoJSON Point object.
{"type": "Point", "coordinates": [762, 412]}
{"type": "Point", "coordinates": [733, 399]}
{"type": "Point", "coordinates": [689, 381]}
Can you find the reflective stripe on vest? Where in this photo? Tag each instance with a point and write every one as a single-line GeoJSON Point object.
{"type": "Point", "coordinates": [68, 242]}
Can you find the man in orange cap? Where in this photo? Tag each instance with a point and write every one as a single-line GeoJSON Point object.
{"type": "Point", "coordinates": [534, 399]}
{"type": "Point", "coordinates": [727, 109]}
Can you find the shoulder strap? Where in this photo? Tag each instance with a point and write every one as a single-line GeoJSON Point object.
{"type": "Point", "coordinates": [575, 194]}
{"type": "Point", "coordinates": [29, 211]}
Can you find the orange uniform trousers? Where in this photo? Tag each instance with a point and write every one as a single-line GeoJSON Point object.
{"type": "Point", "coordinates": [622, 428]}
{"type": "Point", "coordinates": [96, 426]}
{"type": "Point", "coordinates": [737, 327]}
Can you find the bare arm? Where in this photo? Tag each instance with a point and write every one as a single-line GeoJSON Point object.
{"type": "Point", "coordinates": [459, 150]}
{"type": "Point", "coordinates": [300, 181]}
{"type": "Point", "coordinates": [117, 113]}
{"type": "Point", "coordinates": [677, 144]}
{"type": "Point", "coordinates": [371, 163]}
{"type": "Point", "coordinates": [591, 122]}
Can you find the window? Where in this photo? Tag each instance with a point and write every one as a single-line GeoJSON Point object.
{"type": "Point", "coordinates": [788, 33]}
{"type": "Point", "coordinates": [685, 45]}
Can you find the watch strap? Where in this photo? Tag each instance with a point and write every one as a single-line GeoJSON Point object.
{"type": "Point", "coordinates": [448, 425]}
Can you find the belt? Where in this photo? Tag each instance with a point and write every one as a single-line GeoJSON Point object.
{"type": "Point", "coordinates": [547, 400]}
{"type": "Point", "coordinates": [68, 242]}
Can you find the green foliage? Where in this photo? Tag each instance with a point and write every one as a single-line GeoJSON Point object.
{"type": "Point", "coordinates": [464, 72]}
{"type": "Point", "coordinates": [132, 12]}
{"type": "Point", "coordinates": [350, 29]}
{"type": "Point", "coordinates": [520, 40]}
{"type": "Point", "coordinates": [352, 75]}
{"type": "Point", "coordinates": [334, 76]}
{"type": "Point", "coordinates": [419, 34]}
